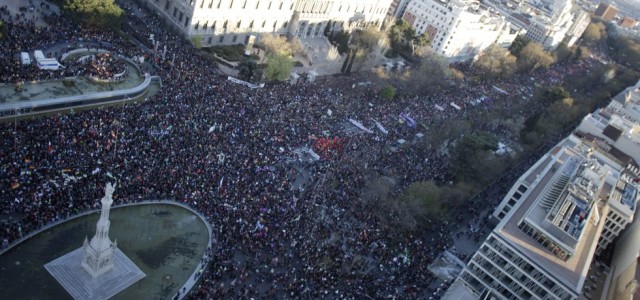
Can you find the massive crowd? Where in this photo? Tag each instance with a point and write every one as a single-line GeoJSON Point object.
{"type": "Point", "coordinates": [284, 228]}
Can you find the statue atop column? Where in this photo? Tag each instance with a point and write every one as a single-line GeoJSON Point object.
{"type": "Point", "coordinates": [98, 254]}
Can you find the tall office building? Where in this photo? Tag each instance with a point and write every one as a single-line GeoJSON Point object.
{"type": "Point", "coordinates": [569, 206]}
{"type": "Point", "coordinates": [562, 21]}
{"type": "Point", "coordinates": [235, 21]}
{"type": "Point", "coordinates": [459, 29]}
{"type": "Point", "coordinates": [606, 11]}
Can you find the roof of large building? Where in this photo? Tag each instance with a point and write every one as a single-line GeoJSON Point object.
{"type": "Point", "coordinates": [562, 202]}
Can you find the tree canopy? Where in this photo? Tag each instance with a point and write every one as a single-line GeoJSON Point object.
{"type": "Point", "coordinates": [518, 44]}
{"type": "Point", "coordinates": [101, 13]}
{"type": "Point", "coordinates": [533, 56]}
{"type": "Point", "coordinates": [278, 67]}
{"type": "Point", "coordinates": [273, 44]}
{"type": "Point", "coordinates": [496, 62]}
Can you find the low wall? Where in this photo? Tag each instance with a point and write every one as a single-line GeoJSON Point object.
{"type": "Point", "coordinates": [193, 278]}
{"type": "Point", "coordinates": [38, 106]}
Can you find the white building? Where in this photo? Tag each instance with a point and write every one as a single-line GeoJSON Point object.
{"type": "Point", "coordinates": [568, 207]}
{"type": "Point", "coordinates": [556, 22]}
{"type": "Point", "coordinates": [458, 29]}
{"type": "Point", "coordinates": [314, 15]}
{"type": "Point", "coordinates": [544, 243]}
{"type": "Point", "coordinates": [397, 8]}
{"type": "Point", "coordinates": [235, 21]}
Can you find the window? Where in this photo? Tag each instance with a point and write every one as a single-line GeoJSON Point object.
{"type": "Point", "coordinates": [285, 24]}
{"type": "Point", "coordinates": [219, 3]}
{"type": "Point", "coordinates": [257, 4]}
{"type": "Point", "coordinates": [166, 5]}
{"type": "Point", "coordinates": [196, 26]}
{"type": "Point", "coordinates": [204, 27]}
{"type": "Point", "coordinates": [224, 25]}
{"type": "Point", "coordinates": [244, 5]}
{"type": "Point", "coordinates": [281, 3]}
{"type": "Point", "coordinates": [251, 24]}
{"type": "Point", "coordinates": [522, 188]}
{"type": "Point", "coordinates": [186, 21]}
{"type": "Point", "coordinates": [209, 40]}
{"type": "Point", "coordinates": [516, 195]}
{"type": "Point", "coordinates": [511, 202]}
{"type": "Point", "coordinates": [264, 23]}
{"type": "Point", "coordinates": [274, 24]}
{"type": "Point", "coordinates": [238, 24]}
{"type": "Point", "coordinates": [180, 16]}
{"type": "Point", "coordinates": [222, 39]}
{"type": "Point", "coordinates": [235, 38]}
{"type": "Point", "coordinates": [269, 5]}
{"type": "Point", "coordinates": [175, 12]}
{"type": "Point", "coordinates": [201, 4]}
{"type": "Point", "coordinates": [231, 4]}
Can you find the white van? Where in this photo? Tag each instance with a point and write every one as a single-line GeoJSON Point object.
{"type": "Point", "coordinates": [25, 59]}
{"type": "Point", "coordinates": [38, 55]}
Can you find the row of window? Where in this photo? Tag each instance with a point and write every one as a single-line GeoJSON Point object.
{"type": "Point", "coordinates": [546, 242]}
{"type": "Point", "coordinates": [225, 24]}
{"type": "Point", "coordinates": [525, 267]}
{"type": "Point", "coordinates": [218, 4]}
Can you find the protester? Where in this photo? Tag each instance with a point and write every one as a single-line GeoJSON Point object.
{"type": "Point", "coordinates": [284, 227]}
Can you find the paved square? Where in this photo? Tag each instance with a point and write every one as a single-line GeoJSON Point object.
{"type": "Point", "coordinates": [67, 270]}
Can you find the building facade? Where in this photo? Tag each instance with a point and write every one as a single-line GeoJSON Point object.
{"type": "Point", "coordinates": [627, 22]}
{"type": "Point", "coordinates": [606, 11]}
{"type": "Point", "coordinates": [562, 21]}
{"type": "Point", "coordinates": [568, 207]}
{"type": "Point", "coordinates": [397, 8]}
{"type": "Point", "coordinates": [236, 21]}
{"type": "Point", "coordinates": [458, 30]}
{"type": "Point", "coordinates": [543, 244]}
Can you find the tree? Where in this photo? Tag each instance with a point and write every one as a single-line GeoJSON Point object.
{"type": "Point", "coordinates": [594, 33]}
{"type": "Point", "coordinates": [496, 62]}
{"type": "Point", "coordinates": [280, 45]}
{"type": "Point", "coordinates": [197, 41]}
{"type": "Point", "coordinates": [433, 73]}
{"type": "Point", "coordinates": [388, 92]}
{"type": "Point", "coordinates": [248, 69]}
{"type": "Point", "coordinates": [424, 199]}
{"type": "Point", "coordinates": [340, 39]}
{"type": "Point", "coordinates": [101, 13]}
{"type": "Point", "coordinates": [1, 30]}
{"type": "Point", "coordinates": [518, 44]}
{"type": "Point", "coordinates": [420, 45]}
{"type": "Point", "coordinates": [533, 56]}
{"type": "Point", "coordinates": [279, 67]}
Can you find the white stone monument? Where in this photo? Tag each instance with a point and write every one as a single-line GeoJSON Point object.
{"type": "Point", "coordinates": [111, 270]}
{"type": "Point", "coordinates": [98, 254]}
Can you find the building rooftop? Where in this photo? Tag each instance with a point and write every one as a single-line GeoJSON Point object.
{"type": "Point", "coordinates": [562, 203]}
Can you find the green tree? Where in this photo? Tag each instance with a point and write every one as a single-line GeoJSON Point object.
{"type": "Point", "coordinates": [594, 33]}
{"type": "Point", "coordinates": [533, 56]}
{"type": "Point", "coordinates": [496, 62]}
{"type": "Point", "coordinates": [279, 67]}
{"type": "Point", "coordinates": [340, 39]}
{"type": "Point", "coordinates": [424, 199]}
{"type": "Point", "coordinates": [518, 44]}
{"type": "Point", "coordinates": [197, 41]}
{"type": "Point", "coordinates": [388, 92]}
{"type": "Point", "coordinates": [274, 44]}
{"type": "Point", "coordinates": [101, 13]}
{"type": "Point", "coordinates": [247, 70]}
{"type": "Point", "coordinates": [433, 73]}
{"type": "Point", "coordinates": [420, 44]}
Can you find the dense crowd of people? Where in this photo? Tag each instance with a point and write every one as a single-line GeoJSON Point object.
{"type": "Point", "coordinates": [284, 227]}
